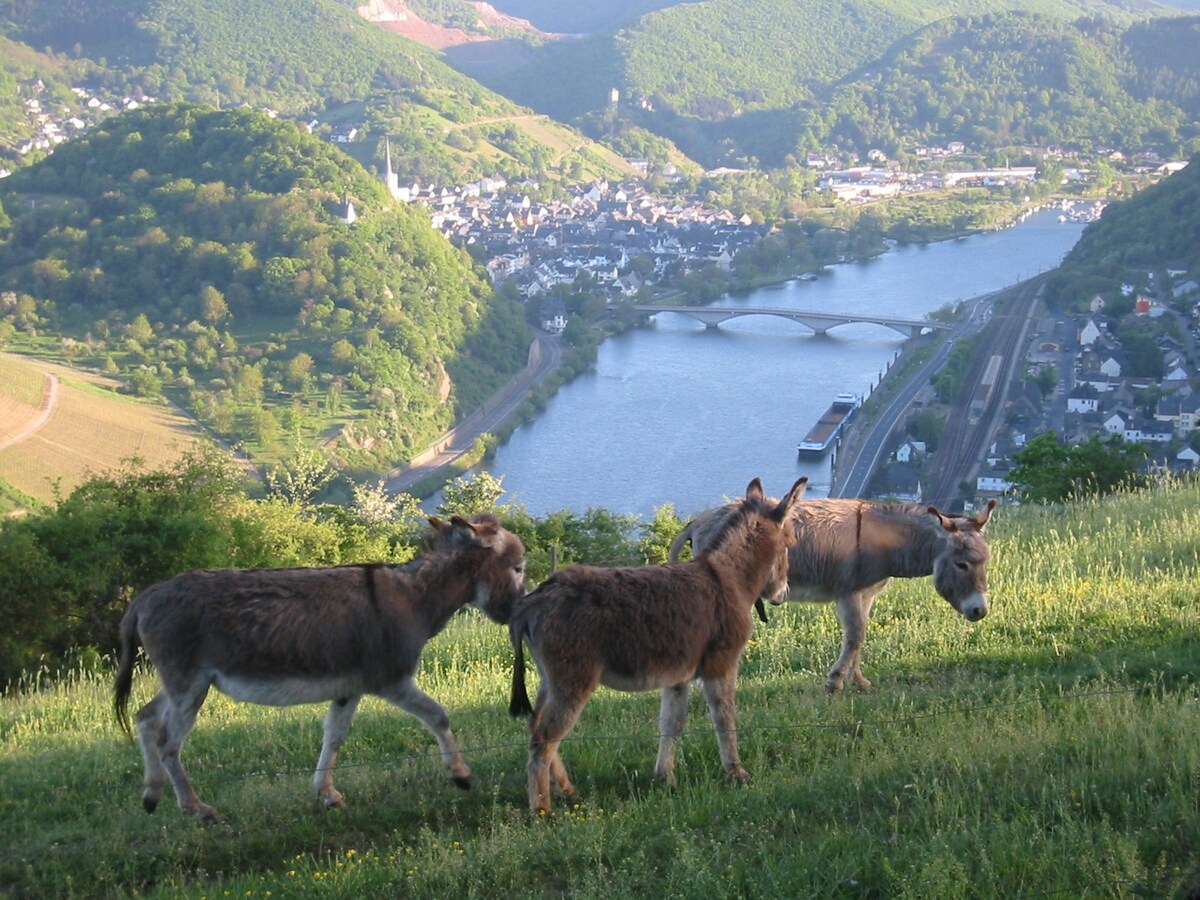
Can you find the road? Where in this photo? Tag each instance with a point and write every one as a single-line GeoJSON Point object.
{"type": "Point", "coordinates": [966, 436]}
{"type": "Point", "coordinates": [545, 356]}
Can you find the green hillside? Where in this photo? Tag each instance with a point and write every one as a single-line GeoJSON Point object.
{"type": "Point", "coordinates": [1157, 229]}
{"type": "Point", "coordinates": [1016, 79]}
{"type": "Point", "coordinates": [311, 59]}
{"type": "Point", "coordinates": [747, 81]}
{"type": "Point", "coordinates": [202, 254]}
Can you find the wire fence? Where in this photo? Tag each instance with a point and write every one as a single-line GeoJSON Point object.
{"type": "Point", "coordinates": [854, 726]}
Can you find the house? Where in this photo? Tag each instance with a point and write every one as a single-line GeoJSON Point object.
{"type": "Point", "coordinates": [993, 481]}
{"type": "Point", "coordinates": [554, 316]}
{"type": "Point", "coordinates": [1083, 399]}
{"type": "Point", "coordinates": [1147, 431]}
{"type": "Point", "coordinates": [1180, 411]}
{"type": "Point", "coordinates": [900, 480]}
{"type": "Point", "coordinates": [910, 450]}
{"type": "Point", "coordinates": [1089, 334]}
{"type": "Point", "coordinates": [1114, 423]}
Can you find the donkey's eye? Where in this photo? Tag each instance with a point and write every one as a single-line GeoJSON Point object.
{"type": "Point", "coordinates": [962, 566]}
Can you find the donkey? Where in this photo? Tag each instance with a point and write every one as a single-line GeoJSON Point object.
{"type": "Point", "coordinates": [847, 550]}
{"type": "Point", "coordinates": [303, 635]}
{"type": "Point", "coordinates": [647, 628]}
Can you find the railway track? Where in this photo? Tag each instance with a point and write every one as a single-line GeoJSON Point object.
{"type": "Point", "coordinates": [981, 399]}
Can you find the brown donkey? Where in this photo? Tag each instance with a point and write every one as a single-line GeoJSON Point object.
{"type": "Point", "coordinates": [647, 628]}
{"type": "Point", "coordinates": [285, 636]}
{"type": "Point", "coordinates": [847, 550]}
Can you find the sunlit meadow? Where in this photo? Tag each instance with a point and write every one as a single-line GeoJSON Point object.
{"type": "Point", "coordinates": [1051, 750]}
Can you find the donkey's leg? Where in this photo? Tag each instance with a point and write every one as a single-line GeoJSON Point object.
{"type": "Point", "coordinates": [410, 698]}
{"type": "Point", "coordinates": [149, 735]}
{"type": "Point", "coordinates": [337, 726]}
{"type": "Point", "coordinates": [719, 692]}
{"type": "Point", "coordinates": [851, 614]}
{"type": "Point", "coordinates": [553, 719]}
{"type": "Point", "coordinates": [867, 600]}
{"type": "Point", "coordinates": [178, 720]}
{"type": "Point", "coordinates": [672, 716]}
{"type": "Point", "coordinates": [558, 769]}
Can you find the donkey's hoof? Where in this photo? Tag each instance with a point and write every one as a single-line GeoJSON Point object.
{"type": "Point", "coordinates": [462, 781]}
{"type": "Point", "coordinates": [205, 814]}
{"type": "Point", "coordinates": [334, 802]}
{"type": "Point", "coordinates": [150, 802]}
{"type": "Point", "coordinates": [740, 775]}
{"type": "Point", "coordinates": [834, 685]}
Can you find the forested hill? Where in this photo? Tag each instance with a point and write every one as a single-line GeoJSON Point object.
{"type": "Point", "coordinates": [206, 255]}
{"type": "Point", "coordinates": [739, 82]}
{"type": "Point", "coordinates": [1157, 229]}
{"type": "Point", "coordinates": [311, 59]}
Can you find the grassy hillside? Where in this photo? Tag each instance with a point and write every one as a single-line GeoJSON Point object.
{"type": "Point", "coordinates": [201, 255]}
{"type": "Point", "coordinates": [58, 425]}
{"type": "Point", "coordinates": [1045, 751]}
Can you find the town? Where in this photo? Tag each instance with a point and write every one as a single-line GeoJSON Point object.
{"type": "Point", "coordinates": [594, 234]}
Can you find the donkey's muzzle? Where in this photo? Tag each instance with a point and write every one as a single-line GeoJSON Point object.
{"type": "Point", "coordinates": [974, 608]}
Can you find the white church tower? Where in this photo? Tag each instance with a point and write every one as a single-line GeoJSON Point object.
{"type": "Point", "coordinates": [390, 179]}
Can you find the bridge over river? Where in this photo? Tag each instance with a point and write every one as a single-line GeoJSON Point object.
{"type": "Point", "coordinates": [819, 322]}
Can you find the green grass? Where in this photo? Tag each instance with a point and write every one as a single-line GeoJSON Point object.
{"type": "Point", "coordinates": [1048, 751]}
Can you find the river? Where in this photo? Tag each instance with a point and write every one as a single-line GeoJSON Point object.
{"type": "Point", "coordinates": [677, 413]}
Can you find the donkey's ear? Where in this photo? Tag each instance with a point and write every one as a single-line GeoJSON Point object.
{"type": "Point", "coordinates": [472, 532]}
{"type": "Point", "coordinates": [985, 516]}
{"type": "Point", "coordinates": [946, 521]}
{"type": "Point", "coordinates": [788, 504]}
{"type": "Point", "coordinates": [754, 490]}
{"type": "Point", "coordinates": [438, 524]}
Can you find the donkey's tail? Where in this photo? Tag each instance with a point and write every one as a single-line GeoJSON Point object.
{"type": "Point", "coordinates": [519, 705]}
{"type": "Point", "coordinates": [685, 535]}
{"type": "Point", "coordinates": [123, 683]}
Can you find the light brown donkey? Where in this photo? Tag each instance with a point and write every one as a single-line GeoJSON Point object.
{"type": "Point", "coordinates": [647, 628]}
{"type": "Point", "coordinates": [286, 636]}
{"type": "Point", "coordinates": [847, 550]}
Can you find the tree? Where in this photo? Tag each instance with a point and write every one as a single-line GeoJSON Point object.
{"type": "Point", "coordinates": [213, 308]}
{"type": "Point", "coordinates": [297, 480]}
{"type": "Point", "coordinates": [67, 573]}
{"type": "Point", "coordinates": [139, 329]}
{"type": "Point", "coordinates": [1047, 471]}
{"type": "Point", "coordinates": [471, 494]}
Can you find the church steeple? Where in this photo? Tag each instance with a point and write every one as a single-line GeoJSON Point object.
{"type": "Point", "coordinates": [389, 177]}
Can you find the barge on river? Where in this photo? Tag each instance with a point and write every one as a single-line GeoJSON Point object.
{"type": "Point", "coordinates": [825, 433]}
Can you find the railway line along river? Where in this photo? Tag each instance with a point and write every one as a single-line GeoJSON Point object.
{"type": "Point", "coordinates": [677, 413]}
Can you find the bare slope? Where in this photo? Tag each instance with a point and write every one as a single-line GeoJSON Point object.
{"type": "Point", "coordinates": [58, 425]}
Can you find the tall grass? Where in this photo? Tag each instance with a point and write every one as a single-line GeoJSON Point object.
{"type": "Point", "coordinates": [1050, 750]}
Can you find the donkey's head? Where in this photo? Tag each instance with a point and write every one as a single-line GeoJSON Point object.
{"type": "Point", "coordinates": [960, 564]}
{"type": "Point", "coordinates": [772, 519]}
{"type": "Point", "coordinates": [499, 557]}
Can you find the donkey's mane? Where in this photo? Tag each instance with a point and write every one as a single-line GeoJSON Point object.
{"type": "Point", "coordinates": [735, 519]}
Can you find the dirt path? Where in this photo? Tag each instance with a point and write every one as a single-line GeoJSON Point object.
{"type": "Point", "coordinates": [49, 399]}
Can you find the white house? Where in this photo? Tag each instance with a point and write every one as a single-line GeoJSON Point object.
{"type": "Point", "coordinates": [993, 481]}
{"type": "Point", "coordinates": [1089, 334]}
{"type": "Point", "coordinates": [1083, 399]}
